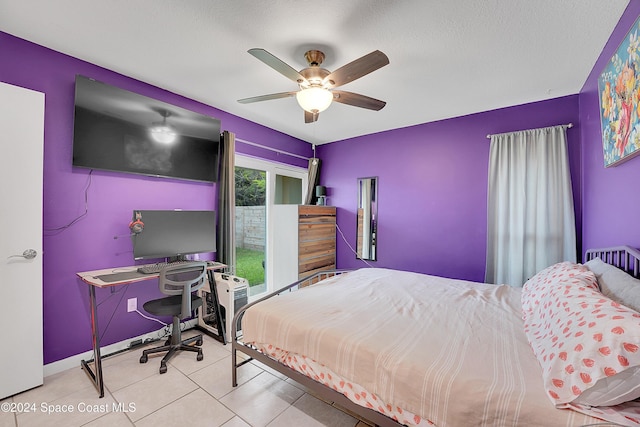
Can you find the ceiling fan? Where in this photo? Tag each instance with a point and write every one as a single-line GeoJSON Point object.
{"type": "Point", "coordinates": [317, 85]}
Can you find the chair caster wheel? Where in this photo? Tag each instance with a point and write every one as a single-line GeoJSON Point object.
{"type": "Point", "coordinates": [199, 357]}
{"type": "Point", "coordinates": [199, 343]}
{"type": "Point", "coordinates": [163, 369]}
{"type": "Point", "coordinates": [144, 358]}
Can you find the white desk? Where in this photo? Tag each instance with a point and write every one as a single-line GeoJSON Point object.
{"type": "Point", "coordinates": [122, 276]}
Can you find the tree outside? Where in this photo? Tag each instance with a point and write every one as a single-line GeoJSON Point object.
{"type": "Point", "coordinates": [250, 187]}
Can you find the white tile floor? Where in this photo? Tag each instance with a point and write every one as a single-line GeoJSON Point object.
{"type": "Point", "coordinates": [191, 393]}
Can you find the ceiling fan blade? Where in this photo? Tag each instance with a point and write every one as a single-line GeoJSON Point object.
{"type": "Point", "coordinates": [310, 117]}
{"type": "Point", "coordinates": [356, 69]}
{"type": "Point", "coordinates": [266, 97]}
{"type": "Point", "coordinates": [357, 100]}
{"type": "Point", "coordinates": [278, 65]}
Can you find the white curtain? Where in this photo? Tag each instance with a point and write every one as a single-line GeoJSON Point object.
{"type": "Point", "coordinates": [531, 223]}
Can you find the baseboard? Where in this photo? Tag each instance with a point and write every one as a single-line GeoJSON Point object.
{"type": "Point", "coordinates": [74, 361]}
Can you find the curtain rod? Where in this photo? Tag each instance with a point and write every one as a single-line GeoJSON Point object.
{"type": "Point", "coordinates": [255, 144]}
{"type": "Point", "coordinates": [568, 126]}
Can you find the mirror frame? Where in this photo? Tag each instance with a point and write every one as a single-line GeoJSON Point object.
{"type": "Point", "coordinates": [367, 219]}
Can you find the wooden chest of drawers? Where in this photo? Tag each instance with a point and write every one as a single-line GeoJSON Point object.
{"type": "Point", "coordinates": [304, 241]}
{"type": "Point", "coordinates": [316, 239]}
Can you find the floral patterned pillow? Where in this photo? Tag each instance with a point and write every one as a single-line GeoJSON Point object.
{"type": "Point", "coordinates": [580, 337]}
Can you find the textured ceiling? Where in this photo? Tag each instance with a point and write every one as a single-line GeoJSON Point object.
{"type": "Point", "coordinates": [447, 58]}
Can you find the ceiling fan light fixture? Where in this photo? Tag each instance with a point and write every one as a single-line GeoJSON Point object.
{"type": "Point", "coordinates": [314, 99]}
{"type": "Point", "coordinates": [317, 86]}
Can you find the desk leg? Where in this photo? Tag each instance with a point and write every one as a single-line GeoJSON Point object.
{"type": "Point", "coordinates": [95, 377]}
{"type": "Point", "coordinates": [222, 336]}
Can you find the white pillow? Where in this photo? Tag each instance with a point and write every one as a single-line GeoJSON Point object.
{"type": "Point", "coordinates": [616, 284]}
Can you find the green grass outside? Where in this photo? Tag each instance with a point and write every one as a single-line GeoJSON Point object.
{"type": "Point", "coordinates": [249, 265]}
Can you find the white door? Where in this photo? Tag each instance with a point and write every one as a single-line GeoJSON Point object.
{"type": "Point", "coordinates": [21, 144]}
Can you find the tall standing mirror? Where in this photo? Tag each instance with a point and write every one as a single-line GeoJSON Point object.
{"type": "Point", "coordinates": [367, 218]}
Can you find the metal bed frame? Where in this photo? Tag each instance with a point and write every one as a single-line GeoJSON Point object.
{"type": "Point", "coordinates": [625, 258]}
{"type": "Point", "coordinates": [326, 393]}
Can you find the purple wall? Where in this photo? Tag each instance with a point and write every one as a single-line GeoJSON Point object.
{"type": "Point", "coordinates": [433, 186]}
{"type": "Point", "coordinates": [89, 244]}
{"type": "Point", "coordinates": [611, 201]}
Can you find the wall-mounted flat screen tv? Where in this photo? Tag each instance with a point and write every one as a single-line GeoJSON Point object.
{"type": "Point", "coordinates": [122, 131]}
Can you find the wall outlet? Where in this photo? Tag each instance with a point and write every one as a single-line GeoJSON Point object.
{"type": "Point", "coordinates": [132, 304]}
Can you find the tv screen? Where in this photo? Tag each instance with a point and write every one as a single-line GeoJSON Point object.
{"type": "Point", "coordinates": [122, 131]}
{"type": "Point", "coordinates": [174, 233]}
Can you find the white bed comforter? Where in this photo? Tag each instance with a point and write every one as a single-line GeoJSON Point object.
{"type": "Point", "coordinates": [452, 351]}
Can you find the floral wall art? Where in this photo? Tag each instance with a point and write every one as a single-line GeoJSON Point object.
{"type": "Point", "coordinates": [619, 89]}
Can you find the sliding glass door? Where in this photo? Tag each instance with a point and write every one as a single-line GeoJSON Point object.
{"type": "Point", "coordinates": [251, 226]}
{"type": "Point", "coordinates": [259, 186]}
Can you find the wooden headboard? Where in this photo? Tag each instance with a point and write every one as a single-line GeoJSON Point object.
{"type": "Point", "coordinates": [624, 257]}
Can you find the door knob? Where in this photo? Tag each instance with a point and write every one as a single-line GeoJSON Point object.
{"type": "Point", "coordinates": [27, 254]}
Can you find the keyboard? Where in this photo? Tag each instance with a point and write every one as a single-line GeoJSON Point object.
{"type": "Point", "coordinates": [155, 268]}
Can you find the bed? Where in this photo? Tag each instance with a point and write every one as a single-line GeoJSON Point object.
{"type": "Point", "coordinates": [401, 348]}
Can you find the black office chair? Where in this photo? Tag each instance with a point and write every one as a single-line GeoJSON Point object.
{"type": "Point", "coordinates": [180, 282]}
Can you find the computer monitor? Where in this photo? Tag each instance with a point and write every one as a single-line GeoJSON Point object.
{"type": "Point", "coordinates": [174, 233]}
